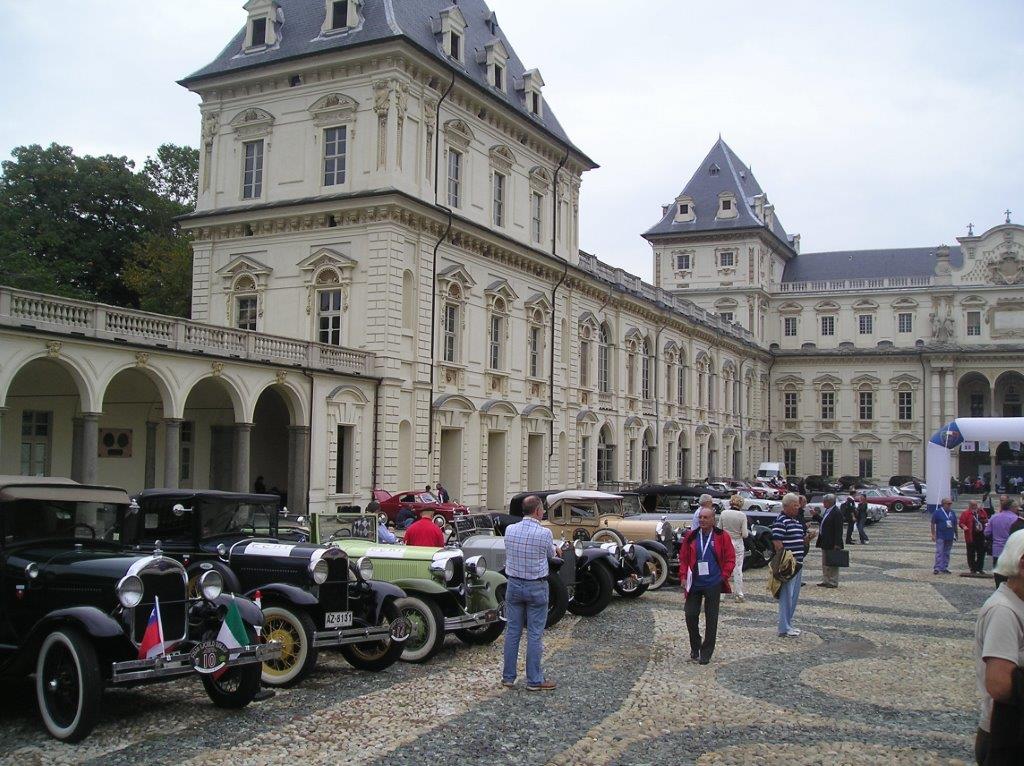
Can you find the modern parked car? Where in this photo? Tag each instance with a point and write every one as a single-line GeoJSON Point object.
{"type": "Point", "coordinates": [640, 546]}
{"type": "Point", "coordinates": [876, 511]}
{"type": "Point", "coordinates": [897, 503]}
{"type": "Point", "coordinates": [445, 592]}
{"type": "Point", "coordinates": [81, 613]}
{"type": "Point", "coordinates": [313, 597]}
{"type": "Point", "coordinates": [390, 505]}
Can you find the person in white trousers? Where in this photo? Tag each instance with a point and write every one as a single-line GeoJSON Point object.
{"type": "Point", "coordinates": [734, 521]}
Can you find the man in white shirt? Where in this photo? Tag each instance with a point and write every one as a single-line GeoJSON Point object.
{"type": "Point", "coordinates": [704, 501]}
{"type": "Point", "coordinates": [734, 521]}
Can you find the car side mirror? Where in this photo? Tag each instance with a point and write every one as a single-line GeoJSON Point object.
{"type": "Point", "coordinates": [180, 510]}
{"type": "Point", "coordinates": [283, 510]}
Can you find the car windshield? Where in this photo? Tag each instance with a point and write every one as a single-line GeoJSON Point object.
{"type": "Point", "coordinates": [26, 519]}
{"type": "Point", "coordinates": [346, 526]}
{"type": "Point", "coordinates": [582, 510]}
{"type": "Point", "coordinates": [610, 506]}
{"type": "Point", "coordinates": [474, 524]}
{"type": "Point", "coordinates": [674, 504]}
{"type": "Point", "coordinates": [872, 493]}
{"type": "Point", "coordinates": [233, 518]}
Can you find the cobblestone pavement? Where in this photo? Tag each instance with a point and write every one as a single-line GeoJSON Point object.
{"type": "Point", "coordinates": [881, 674]}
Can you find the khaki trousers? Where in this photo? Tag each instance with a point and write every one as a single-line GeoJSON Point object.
{"type": "Point", "coordinates": [829, 575]}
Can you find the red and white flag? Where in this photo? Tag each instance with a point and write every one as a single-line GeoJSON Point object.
{"type": "Point", "coordinates": [153, 639]}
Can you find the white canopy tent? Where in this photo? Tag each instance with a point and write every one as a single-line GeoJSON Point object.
{"type": "Point", "coordinates": [952, 435]}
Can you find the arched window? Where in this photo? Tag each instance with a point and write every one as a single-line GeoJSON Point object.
{"type": "Point", "coordinates": [645, 368]}
{"type": "Point", "coordinates": [408, 300]}
{"type": "Point", "coordinates": [604, 359]}
{"type": "Point", "coordinates": [605, 457]}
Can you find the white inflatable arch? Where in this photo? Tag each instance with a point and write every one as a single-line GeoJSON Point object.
{"type": "Point", "coordinates": [952, 435]}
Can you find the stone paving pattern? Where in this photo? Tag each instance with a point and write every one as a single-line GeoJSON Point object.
{"type": "Point", "coordinates": [883, 673]}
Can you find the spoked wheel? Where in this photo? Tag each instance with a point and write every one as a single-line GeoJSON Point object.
{"type": "Point", "coordinates": [235, 687]}
{"type": "Point", "coordinates": [68, 685]}
{"type": "Point", "coordinates": [426, 628]}
{"type": "Point", "coordinates": [377, 655]}
{"type": "Point", "coordinates": [294, 631]}
{"type": "Point", "coordinates": [658, 568]}
{"type": "Point", "coordinates": [631, 588]}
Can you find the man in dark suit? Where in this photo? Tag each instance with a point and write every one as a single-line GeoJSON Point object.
{"type": "Point", "coordinates": [850, 517]}
{"type": "Point", "coordinates": [862, 518]}
{"type": "Point", "coordinates": [830, 538]}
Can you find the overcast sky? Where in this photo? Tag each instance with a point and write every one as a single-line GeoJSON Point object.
{"type": "Point", "coordinates": [868, 123]}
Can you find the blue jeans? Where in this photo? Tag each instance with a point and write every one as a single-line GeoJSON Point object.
{"type": "Point", "coordinates": [860, 530]}
{"type": "Point", "coordinates": [526, 604]}
{"type": "Point", "coordinates": [942, 550]}
{"type": "Point", "coordinates": [788, 595]}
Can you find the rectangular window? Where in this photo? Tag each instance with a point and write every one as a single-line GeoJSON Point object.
{"type": "Point", "coordinates": [535, 342]}
{"type": "Point", "coordinates": [497, 331]}
{"type": "Point", "coordinates": [329, 317]}
{"type": "Point", "coordinates": [865, 324]}
{"type": "Point", "coordinates": [727, 258]}
{"type": "Point", "coordinates": [499, 199]}
{"type": "Point", "coordinates": [828, 325]}
{"type": "Point", "coordinates": [246, 308]}
{"type": "Point", "coordinates": [585, 460]}
{"type": "Point", "coordinates": [605, 463]}
{"type": "Point", "coordinates": [343, 460]}
{"type": "Point", "coordinates": [536, 219]}
{"type": "Point", "coordinates": [906, 405]}
{"type": "Point", "coordinates": [789, 460]}
{"type": "Point", "coordinates": [339, 14]}
{"type": "Point", "coordinates": [789, 327]}
{"type": "Point", "coordinates": [828, 458]}
{"type": "Point", "coordinates": [683, 262]}
{"type": "Point", "coordinates": [974, 323]}
{"type": "Point", "coordinates": [454, 178]}
{"type": "Point", "coordinates": [259, 33]}
{"type": "Point", "coordinates": [681, 386]}
{"type": "Point", "coordinates": [603, 364]}
{"type": "Point", "coordinates": [36, 442]}
{"type": "Point", "coordinates": [185, 448]}
{"type": "Point", "coordinates": [335, 149]}
{"type": "Point", "coordinates": [905, 322]}
{"type": "Point", "coordinates": [451, 325]}
{"type": "Point", "coordinates": [455, 46]}
{"type": "Point", "coordinates": [866, 405]}
{"type": "Point", "coordinates": [727, 204]}
{"type": "Point", "coordinates": [585, 363]}
{"type": "Point", "coordinates": [905, 460]}
{"type": "Point", "coordinates": [977, 405]}
{"type": "Point", "coordinates": [684, 208]}
{"type": "Point", "coordinates": [865, 464]}
{"type": "Point", "coordinates": [789, 408]}
{"type": "Point", "coordinates": [828, 407]}
{"type": "Point", "coordinates": [252, 171]}
{"type": "Point", "coordinates": [499, 77]}
{"type": "Point", "coordinates": [535, 103]}
{"type": "Point", "coordinates": [645, 377]}
{"type": "Point", "coordinates": [726, 316]}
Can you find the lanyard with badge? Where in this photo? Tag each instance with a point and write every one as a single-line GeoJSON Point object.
{"type": "Point", "coordinates": [949, 518]}
{"type": "Point", "coordinates": [703, 568]}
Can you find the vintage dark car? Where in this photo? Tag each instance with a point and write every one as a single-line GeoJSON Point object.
{"type": "Point", "coordinates": [82, 614]}
{"type": "Point", "coordinates": [313, 597]}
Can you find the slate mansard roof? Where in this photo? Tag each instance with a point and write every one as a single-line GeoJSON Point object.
{"type": "Point", "coordinates": [300, 35]}
{"type": "Point", "coordinates": [721, 171]}
{"type": "Point", "coordinates": [867, 264]}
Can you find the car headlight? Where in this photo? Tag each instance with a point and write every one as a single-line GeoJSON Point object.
{"type": "Point", "coordinates": [629, 550]}
{"type": "Point", "coordinates": [476, 565]}
{"type": "Point", "coordinates": [318, 571]}
{"type": "Point", "coordinates": [365, 567]}
{"type": "Point", "coordinates": [211, 584]}
{"type": "Point", "coordinates": [577, 546]}
{"type": "Point", "coordinates": [612, 548]}
{"type": "Point", "coordinates": [444, 570]}
{"type": "Point", "coordinates": [129, 591]}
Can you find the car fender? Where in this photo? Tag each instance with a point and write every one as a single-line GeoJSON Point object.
{"type": "Point", "coordinates": [590, 555]}
{"type": "Point", "coordinates": [108, 634]}
{"type": "Point", "coordinates": [421, 587]}
{"type": "Point", "coordinates": [231, 584]}
{"type": "Point", "coordinates": [493, 579]}
{"type": "Point", "coordinates": [290, 593]}
{"type": "Point", "coordinates": [654, 545]}
{"type": "Point", "coordinates": [95, 623]}
{"type": "Point", "coordinates": [248, 610]}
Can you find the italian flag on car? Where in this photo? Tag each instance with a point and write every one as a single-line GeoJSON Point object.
{"type": "Point", "coordinates": [232, 633]}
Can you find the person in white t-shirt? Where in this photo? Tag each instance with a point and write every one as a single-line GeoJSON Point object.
{"type": "Point", "coordinates": [734, 521]}
{"type": "Point", "coordinates": [999, 646]}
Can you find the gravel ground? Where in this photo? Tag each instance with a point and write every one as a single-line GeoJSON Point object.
{"type": "Point", "coordinates": [881, 674]}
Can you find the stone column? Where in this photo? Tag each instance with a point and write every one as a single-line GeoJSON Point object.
{"type": "Point", "coordinates": [2, 411]}
{"type": "Point", "coordinates": [150, 478]}
{"type": "Point", "coordinates": [936, 411]}
{"type": "Point", "coordinates": [172, 452]}
{"type": "Point", "coordinates": [76, 448]}
{"type": "Point", "coordinates": [298, 469]}
{"type": "Point", "coordinates": [89, 435]}
{"type": "Point", "coordinates": [243, 439]}
{"type": "Point", "coordinates": [992, 446]}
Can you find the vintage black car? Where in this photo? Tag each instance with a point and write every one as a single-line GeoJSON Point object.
{"type": "Point", "coordinates": [312, 596]}
{"type": "Point", "coordinates": [76, 608]}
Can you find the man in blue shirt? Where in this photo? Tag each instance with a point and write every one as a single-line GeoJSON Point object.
{"type": "Point", "coordinates": [788, 533]}
{"type": "Point", "coordinates": [527, 547]}
{"type": "Point", "coordinates": [943, 525]}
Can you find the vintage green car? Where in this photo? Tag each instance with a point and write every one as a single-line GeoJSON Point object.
{"type": "Point", "coordinates": [445, 593]}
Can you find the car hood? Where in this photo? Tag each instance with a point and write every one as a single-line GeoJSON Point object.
{"type": "Point", "coordinates": [357, 548]}
{"type": "Point", "coordinates": [91, 563]}
{"type": "Point", "coordinates": [275, 548]}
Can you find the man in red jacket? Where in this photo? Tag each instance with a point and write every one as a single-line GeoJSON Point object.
{"type": "Point", "coordinates": [972, 522]}
{"type": "Point", "coordinates": [706, 561]}
{"type": "Point", "coordinates": [424, 531]}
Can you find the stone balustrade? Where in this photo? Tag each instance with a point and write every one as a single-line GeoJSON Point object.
{"type": "Point", "coordinates": [845, 285]}
{"type": "Point", "coordinates": [67, 316]}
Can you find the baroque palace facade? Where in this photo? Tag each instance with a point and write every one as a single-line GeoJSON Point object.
{"type": "Point", "coordinates": [388, 291]}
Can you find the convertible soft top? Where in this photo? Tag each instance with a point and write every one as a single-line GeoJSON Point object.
{"type": "Point", "coordinates": [58, 489]}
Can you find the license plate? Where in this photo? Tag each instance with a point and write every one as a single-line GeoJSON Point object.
{"type": "Point", "coordinates": [338, 620]}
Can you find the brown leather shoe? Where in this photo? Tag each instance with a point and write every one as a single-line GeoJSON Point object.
{"type": "Point", "coordinates": [544, 686]}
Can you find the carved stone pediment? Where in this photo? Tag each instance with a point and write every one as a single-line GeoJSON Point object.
{"type": "Point", "coordinates": [1006, 269]}
{"type": "Point", "coordinates": [244, 265]}
{"type": "Point", "coordinates": [458, 133]}
{"type": "Point", "coordinates": [252, 123]}
{"type": "Point", "coordinates": [332, 109]}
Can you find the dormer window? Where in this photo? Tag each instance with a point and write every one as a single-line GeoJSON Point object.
{"type": "Point", "coordinates": [258, 33]}
{"type": "Point", "coordinates": [726, 205]}
{"type": "Point", "coordinates": [684, 209]}
{"type": "Point", "coordinates": [531, 86]}
{"type": "Point", "coordinates": [499, 77]}
{"type": "Point", "coordinates": [535, 103]}
{"type": "Point", "coordinates": [455, 45]}
{"type": "Point", "coordinates": [339, 14]}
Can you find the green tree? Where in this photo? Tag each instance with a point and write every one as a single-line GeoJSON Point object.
{"type": "Point", "coordinates": [174, 174]}
{"type": "Point", "coordinates": [159, 272]}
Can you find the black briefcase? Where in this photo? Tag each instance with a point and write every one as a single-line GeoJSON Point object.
{"type": "Point", "coordinates": [837, 558]}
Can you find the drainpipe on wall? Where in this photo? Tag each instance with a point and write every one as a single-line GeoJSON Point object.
{"type": "Point", "coordinates": [768, 396]}
{"type": "Point", "coordinates": [376, 434]}
{"type": "Point", "coordinates": [924, 403]}
{"type": "Point", "coordinates": [433, 278]}
{"type": "Point", "coordinates": [554, 306]}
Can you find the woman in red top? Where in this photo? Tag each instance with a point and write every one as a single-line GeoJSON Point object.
{"type": "Point", "coordinates": [972, 522]}
{"type": "Point", "coordinates": [706, 561]}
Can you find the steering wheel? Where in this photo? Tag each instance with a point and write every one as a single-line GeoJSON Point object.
{"type": "Point", "coordinates": [87, 526]}
{"type": "Point", "coordinates": [339, 533]}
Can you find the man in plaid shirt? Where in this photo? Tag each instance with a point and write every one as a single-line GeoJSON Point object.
{"type": "Point", "coordinates": [527, 547]}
